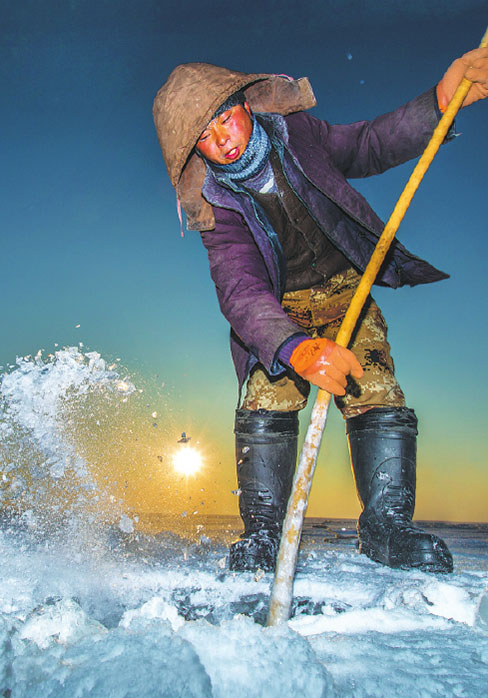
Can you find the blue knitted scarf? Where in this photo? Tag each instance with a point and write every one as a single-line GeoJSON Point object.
{"type": "Point", "coordinates": [251, 161]}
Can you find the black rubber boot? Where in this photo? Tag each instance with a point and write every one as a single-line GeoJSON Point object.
{"type": "Point", "coordinates": [383, 448]}
{"type": "Point", "coordinates": [266, 451]}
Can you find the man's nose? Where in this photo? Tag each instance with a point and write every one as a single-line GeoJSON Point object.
{"type": "Point", "coordinates": [222, 136]}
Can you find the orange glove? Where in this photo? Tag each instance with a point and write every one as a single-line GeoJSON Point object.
{"type": "Point", "coordinates": [326, 364]}
{"type": "Point", "coordinates": [473, 66]}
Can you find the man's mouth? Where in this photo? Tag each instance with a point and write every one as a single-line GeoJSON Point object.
{"type": "Point", "coordinates": [232, 154]}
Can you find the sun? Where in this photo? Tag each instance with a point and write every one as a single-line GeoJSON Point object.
{"type": "Point", "coordinates": [187, 460]}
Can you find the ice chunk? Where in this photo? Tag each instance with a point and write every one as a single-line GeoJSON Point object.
{"type": "Point", "coordinates": [245, 660]}
{"type": "Point", "coordinates": [126, 524]}
{"type": "Point", "coordinates": [481, 619]}
{"type": "Point", "coordinates": [63, 622]}
{"type": "Point", "coordinates": [367, 620]}
{"type": "Point", "coordinates": [119, 665]}
{"type": "Point", "coordinates": [450, 601]}
{"type": "Point", "coordinates": [155, 608]}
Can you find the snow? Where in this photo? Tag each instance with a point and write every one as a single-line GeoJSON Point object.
{"type": "Point", "coordinates": [92, 606]}
{"type": "Point", "coordinates": [147, 618]}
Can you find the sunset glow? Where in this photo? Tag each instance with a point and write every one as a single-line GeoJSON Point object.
{"type": "Point", "coordinates": [187, 460]}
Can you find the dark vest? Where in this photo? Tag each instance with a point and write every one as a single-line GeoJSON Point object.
{"type": "Point", "coordinates": [311, 258]}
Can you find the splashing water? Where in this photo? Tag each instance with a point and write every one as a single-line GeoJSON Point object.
{"type": "Point", "coordinates": [44, 477]}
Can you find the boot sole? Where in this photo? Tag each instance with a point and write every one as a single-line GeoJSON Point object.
{"type": "Point", "coordinates": [428, 562]}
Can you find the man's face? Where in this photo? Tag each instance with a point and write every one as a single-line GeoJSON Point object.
{"type": "Point", "coordinates": [226, 137]}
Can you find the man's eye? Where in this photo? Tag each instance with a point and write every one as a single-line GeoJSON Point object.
{"type": "Point", "coordinates": [203, 137]}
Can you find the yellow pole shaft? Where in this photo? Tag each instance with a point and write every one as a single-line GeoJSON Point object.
{"type": "Point", "coordinates": [281, 594]}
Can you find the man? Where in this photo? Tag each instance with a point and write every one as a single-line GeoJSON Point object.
{"type": "Point", "coordinates": [287, 239]}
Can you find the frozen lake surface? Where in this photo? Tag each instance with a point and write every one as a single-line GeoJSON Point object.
{"type": "Point", "coordinates": [159, 615]}
{"type": "Point", "coordinates": [92, 605]}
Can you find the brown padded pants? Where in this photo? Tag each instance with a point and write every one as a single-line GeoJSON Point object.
{"type": "Point", "coordinates": [319, 312]}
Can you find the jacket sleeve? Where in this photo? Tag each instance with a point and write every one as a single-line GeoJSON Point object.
{"type": "Point", "coordinates": [244, 289]}
{"type": "Point", "coordinates": [367, 148]}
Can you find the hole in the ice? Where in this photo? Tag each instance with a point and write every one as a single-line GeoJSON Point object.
{"type": "Point", "coordinates": [254, 606]}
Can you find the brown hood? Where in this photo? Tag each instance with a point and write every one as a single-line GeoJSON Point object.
{"type": "Point", "coordinates": [185, 104]}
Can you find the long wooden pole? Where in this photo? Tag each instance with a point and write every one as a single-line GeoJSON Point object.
{"type": "Point", "coordinates": [281, 594]}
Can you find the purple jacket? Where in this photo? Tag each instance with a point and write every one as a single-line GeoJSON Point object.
{"type": "Point", "coordinates": [317, 159]}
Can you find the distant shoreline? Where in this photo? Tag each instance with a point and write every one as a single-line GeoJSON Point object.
{"type": "Point", "coordinates": [231, 517]}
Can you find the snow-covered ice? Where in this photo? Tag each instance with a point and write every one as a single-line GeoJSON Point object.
{"type": "Point", "coordinates": [155, 615]}
{"type": "Point", "coordinates": [96, 607]}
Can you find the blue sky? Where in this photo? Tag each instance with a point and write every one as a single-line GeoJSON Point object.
{"type": "Point", "coordinates": [90, 235]}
